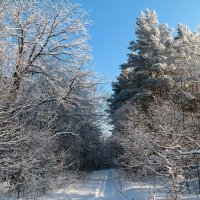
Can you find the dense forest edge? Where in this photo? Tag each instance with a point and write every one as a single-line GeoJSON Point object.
{"type": "Point", "coordinates": [55, 119]}
{"type": "Point", "coordinates": [155, 106]}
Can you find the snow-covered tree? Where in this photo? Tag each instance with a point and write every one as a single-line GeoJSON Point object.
{"type": "Point", "coordinates": [187, 62]}
{"type": "Point", "coordinates": [47, 92]}
{"type": "Point", "coordinates": [155, 105]}
{"type": "Point", "coordinates": [146, 75]}
{"type": "Point", "coordinates": [161, 145]}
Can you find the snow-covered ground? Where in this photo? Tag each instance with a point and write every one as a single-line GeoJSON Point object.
{"type": "Point", "coordinates": [102, 184]}
{"type": "Point", "coordinates": [106, 185]}
{"type": "Point", "coordinates": [111, 185]}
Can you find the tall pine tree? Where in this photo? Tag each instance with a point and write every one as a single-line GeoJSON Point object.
{"type": "Point", "coordinates": [146, 74]}
{"type": "Point", "coordinates": [186, 59]}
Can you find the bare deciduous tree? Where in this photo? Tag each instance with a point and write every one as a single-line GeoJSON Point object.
{"type": "Point", "coordinates": [47, 92]}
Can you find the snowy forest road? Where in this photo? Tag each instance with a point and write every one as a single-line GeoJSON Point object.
{"type": "Point", "coordinates": [98, 185]}
{"type": "Point", "coordinates": [106, 185]}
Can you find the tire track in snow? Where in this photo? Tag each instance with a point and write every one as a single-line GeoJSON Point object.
{"type": "Point", "coordinates": [99, 192]}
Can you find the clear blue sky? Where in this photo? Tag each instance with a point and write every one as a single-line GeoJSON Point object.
{"type": "Point", "coordinates": [114, 26]}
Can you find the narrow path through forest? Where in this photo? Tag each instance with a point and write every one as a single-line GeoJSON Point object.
{"type": "Point", "coordinates": [105, 185]}
{"type": "Point", "coordinates": [101, 185]}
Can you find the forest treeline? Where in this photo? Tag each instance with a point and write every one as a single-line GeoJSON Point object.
{"type": "Point", "coordinates": [52, 112]}
{"type": "Point", "coordinates": [51, 109]}
{"type": "Point", "coordinates": [155, 107]}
